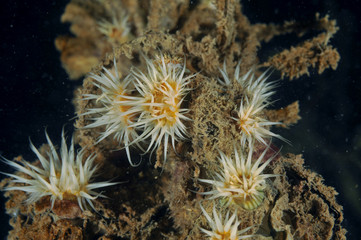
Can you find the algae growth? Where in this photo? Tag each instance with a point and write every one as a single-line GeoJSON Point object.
{"type": "Point", "coordinates": [161, 198]}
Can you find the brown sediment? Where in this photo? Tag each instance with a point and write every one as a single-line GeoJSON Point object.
{"type": "Point", "coordinates": [287, 116]}
{"type": "Point", "coordinates": [165, 18]}
{"type": "Point", "coordinates": [306, 208]}
{"type": "Point", "coordinates": [43, 227]}
{"type": "Point", "coordinates": [160, 199]}
{"type": "Point", "coordinates": [316, 52]}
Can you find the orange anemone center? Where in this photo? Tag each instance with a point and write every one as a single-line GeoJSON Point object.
{"type": "Point", "coordinates": [120, 96]}
{"type": "Point", "coordinates": [223, 236]}
{"type": "Point", "coordinates": [163, 103]}
{"type": "Point", "coordinates": [117, 35]}
{"type": "Point", "coordinates": [247, 125]}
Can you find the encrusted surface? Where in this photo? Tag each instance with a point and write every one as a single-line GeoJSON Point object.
{"type": "Point", "coordinates": [162, 202]}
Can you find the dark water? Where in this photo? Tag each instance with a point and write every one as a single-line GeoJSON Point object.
{"type": "Point", "coordinates": [329, 133]}
{"type": "Point", "coordinates": [36, 92]}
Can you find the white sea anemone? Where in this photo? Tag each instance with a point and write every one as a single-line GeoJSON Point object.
{"type": "Point", "coordinates": [60, 176]}
{"type": "Point", "coordinates": [256, 98]}
{"type": "Point", "coordinates": [224, 229]}
{"type": "Point", "coordinates": [162, 90]}
{"type": "Point", "coordinates": [241, 180]}
{"type": "Point", "coordinates": [117, 30]}
{"type": "Point", "coordinates": [251, 86]}
{"type": "Point", "coordinates": [115, 112]}
{"type": "Point", "coordinates": [251, 123]}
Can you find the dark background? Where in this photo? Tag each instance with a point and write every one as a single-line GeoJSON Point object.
{"type": "Point", "coordinates": [36, 92]}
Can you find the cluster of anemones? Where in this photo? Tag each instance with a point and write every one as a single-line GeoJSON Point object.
{"type": "Point", "coordinates": [144, 106]}
{"type": "Point", "coordinates": [252, 124]}
{"type": "Point", "coordinates": [141, 106]}
{"type": "Point", "coordinates": [240, 180]}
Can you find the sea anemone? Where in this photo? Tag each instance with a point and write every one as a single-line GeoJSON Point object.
{"type": "Point", "coordinates": [251, 86]}
{"type": "Point", "coordinates": [251, 123]}
{"type": "Point", "coordinates": [226, 229]}
{"type": "Point", "coordinates": [256, 97]}
{"type": "Point", "coordinates": [115, 112]}
{"type": "Point", "coordinates": [162, 90]}
{"type": "Point", "coordinates": [117, 30]}
{"type": "Point", "coordinates": [62, 177]}
{"type": "Point", "coordinates": [241, 181]}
